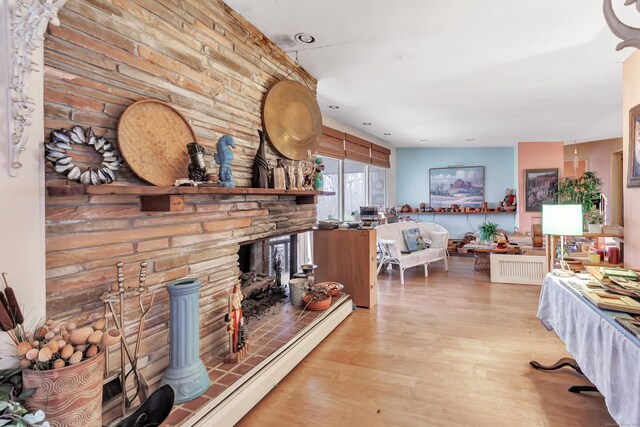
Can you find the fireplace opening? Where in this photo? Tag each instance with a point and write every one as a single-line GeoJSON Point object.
{"type": "Point", "coordinates": [265, 268]}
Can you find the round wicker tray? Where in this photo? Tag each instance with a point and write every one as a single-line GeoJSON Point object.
{"type": "Point", "coordinates": [152, 137]}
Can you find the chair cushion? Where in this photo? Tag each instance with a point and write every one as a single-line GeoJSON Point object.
{"type": "Point", "coordinates": [414, 240]}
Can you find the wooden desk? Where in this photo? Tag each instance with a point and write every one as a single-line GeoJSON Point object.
{"type": "Point", "coordinates": [348, 257]}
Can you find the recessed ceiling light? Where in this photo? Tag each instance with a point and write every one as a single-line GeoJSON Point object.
{"type": "Point", "coordinates": [367, 123]}
{"type": "Point", "coordinates": [387, 133]}
{"type": "Point", "coordinates": [470, 139]}
{"type": "Point", "coordinates": [333, 107]}
{"type": "Point", "coordinates": [304, 38]}
{"type": "Point", "coordinates": [424, 140]}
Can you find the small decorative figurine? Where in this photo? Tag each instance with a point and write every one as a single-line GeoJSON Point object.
{"type": "Point", "coordinates": [238, 345]}
{"type": "Point", "coordinates": [279, 176]}
{"type": "Point", "coordinates": [319, 181]}
{"type": "Point", "coordinates": [300, 176]}
{"type": "Point", "coordinates": [277, 267]}
{"type": "Point", "coordinates": [260, 178]}
{"type": "Point", "coordinates": [290, 169]}
{"type": "Point", "coordinates": [197, 167]}
{"type": "Point", "coordinates": [224, 157]}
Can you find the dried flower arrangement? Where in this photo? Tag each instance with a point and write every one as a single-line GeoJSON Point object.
{"type": "Point", "coordinates": [51, 345]}
{"type": "Point", "coordinates": [317, 297]}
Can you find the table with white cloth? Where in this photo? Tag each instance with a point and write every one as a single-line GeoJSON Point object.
{"type": "Point", "coordinates": [607, 354]}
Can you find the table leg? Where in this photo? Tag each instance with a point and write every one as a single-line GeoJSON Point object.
{"type": "Point", "coordinates": [483, 263]}
{"type": "Point", "coordinates": [565, 361]}
{"type": "Point", "coordinates": [582, 388]}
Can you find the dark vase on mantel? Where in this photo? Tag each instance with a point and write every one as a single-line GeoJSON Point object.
{"type": "Point", "coordinates": [260, 178]}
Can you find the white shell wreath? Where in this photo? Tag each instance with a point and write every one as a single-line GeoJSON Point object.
{"type": "Point", "coordinates": [61, 142]}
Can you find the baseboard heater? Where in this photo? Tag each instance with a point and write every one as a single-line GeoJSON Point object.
{"type": "Point", "coordinates": [228, 408]}
{"type": "Point", "coordinates": [518, 269]}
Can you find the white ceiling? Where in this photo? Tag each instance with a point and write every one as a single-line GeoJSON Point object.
{"type": "Point", "coordinates": [498, 71]}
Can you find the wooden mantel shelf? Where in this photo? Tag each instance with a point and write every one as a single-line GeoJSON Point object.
{"type": "Point", "coordinates": [171, 199]}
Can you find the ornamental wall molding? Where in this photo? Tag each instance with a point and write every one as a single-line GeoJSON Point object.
{"type": "Point", "coordinates": [630, 35]}
{"type": "Point", "coordinates": [28, 21]}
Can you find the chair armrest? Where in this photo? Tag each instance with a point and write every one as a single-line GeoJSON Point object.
{"type": "Point", "coordinates": [439, 239]}
{"type": "Point", "coordinates": [393, 247]}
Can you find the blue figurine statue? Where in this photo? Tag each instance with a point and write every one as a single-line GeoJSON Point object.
{"type": "Point", "coordinates": [224, 157]}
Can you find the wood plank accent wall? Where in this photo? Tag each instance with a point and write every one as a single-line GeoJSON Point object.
{"type": "Point", "coordinates": [198, 55]}
{"type": "Point", "coordinates": [213, 66]}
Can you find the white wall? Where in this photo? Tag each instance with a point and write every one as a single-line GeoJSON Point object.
{"type": "Point", "coordinates": [391, 172]}
{"type": "Point", "coordinates": [22, 243]}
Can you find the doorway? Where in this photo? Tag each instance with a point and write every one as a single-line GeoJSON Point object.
{"type": "Point", "coordinates": [616, 203]}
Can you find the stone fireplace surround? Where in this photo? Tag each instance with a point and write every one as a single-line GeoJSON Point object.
{"type": "Point", "coordinates": [209, 63]}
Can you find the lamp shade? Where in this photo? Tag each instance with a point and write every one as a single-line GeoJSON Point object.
{"type": "Point", "coordinates": [562, 220]}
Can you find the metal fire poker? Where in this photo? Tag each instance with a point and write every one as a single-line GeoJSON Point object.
{"type": "Point", "coordinates": [117, 296]}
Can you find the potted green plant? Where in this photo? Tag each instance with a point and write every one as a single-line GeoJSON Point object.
{"type": "Point", "coordinates": [488, 231]}
{"type": "Point", "coordinates": [316, 297]}
{"type": "Point", "coordinates": [584, 190]}
{"type": "Point", "coordinates": [12, 397]}
{"type": "Point", "coordinates": [594, 220]}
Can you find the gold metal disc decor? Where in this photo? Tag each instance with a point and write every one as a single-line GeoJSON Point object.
{"type": "Point", "coordinates": [292, 119]}
{"type": "Point", "coordinates": [152, 136]}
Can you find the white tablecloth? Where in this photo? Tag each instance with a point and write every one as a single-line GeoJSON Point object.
{"type": "Point", "coordinates": [607, 354]}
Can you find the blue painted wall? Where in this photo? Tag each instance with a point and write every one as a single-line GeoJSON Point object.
{"type": "Point", "coordinates": [412, 186]}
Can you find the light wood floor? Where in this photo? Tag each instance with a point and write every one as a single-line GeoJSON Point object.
{"type": "Point", "coordinates": [449, 350]}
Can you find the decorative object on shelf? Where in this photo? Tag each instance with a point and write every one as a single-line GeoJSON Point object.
{"type": "Point", "coordinates": [279, 176]}
{"type": "Point", "coordinates": [630, 36]}
{"type": "Point", "coordinates": [260, 177]}
{"type": "Point", "coordinates": [488, 231]}
{"type": "Point", "coordinates": [541, 188]}
{"type": "Point", "coordinates": [462, 185]}
{"type": "Point", "coordinates": [334, 288]}
{"type": "Point", "coordinates": [316, 297]}
{"type": "Point", "coordinates": [151, 137]}
{"type": "Point", "coordinates": [186, 373]}
{"type": "Point", "coordinates": [197, 166]}
{"type": "Point", "coordinates": [633, 177]}
{"type": "Point", "coordinates": [28, 22]}
{"type": "Point", "coordinates": [309, 270]}
{"type": "Point", "coordinates": [236, 326]}
{"type": "Point", "coordinates": [62, 141]}
{"type": "Point", "coordinates": [117, 295]}
{"type": "Point", "coordinates": [405, 209]}
{"type": "Point", "coordinates": [594, 220]}
{"type": "Point", "coordinates": [319, 181]}
{"type": "Point", "coordinates": [224, 157]}
{"type": "Point", "coordinates": [584, 190]}
{"type": "Point", "coordinates": [292, 119]}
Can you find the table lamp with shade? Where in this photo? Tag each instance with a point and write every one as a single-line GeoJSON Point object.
{"type": "Point", "coordinates": [562, 220]}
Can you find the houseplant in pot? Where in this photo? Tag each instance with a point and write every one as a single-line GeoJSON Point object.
{"type": "Point", "coordinates": [488, 231]}
{"type": "Point", "coordinates": [316, 297]}
{"type": "Point", "coordinates": [64, 363]}
{"type": "Point", "coordinates": [584, 190]}
{"type": "Point", "coordinates": [12, 397]}
{"type": "Point", "coordinates": [594, 220]}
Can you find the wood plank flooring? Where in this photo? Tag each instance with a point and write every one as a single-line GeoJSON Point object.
{"type": "Point", "coordinates": [448, 350]}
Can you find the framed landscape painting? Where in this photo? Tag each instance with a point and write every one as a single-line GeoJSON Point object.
{"type": "Point", "coordinates": [541, 188]}
{"type": "Point", "coordinates": [461, 185]}
{"type": "Point", "coordinates": [633, 178]}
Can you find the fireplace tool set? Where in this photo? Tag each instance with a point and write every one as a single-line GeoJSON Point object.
{"type": "Point", "coordinates": [117, 296]}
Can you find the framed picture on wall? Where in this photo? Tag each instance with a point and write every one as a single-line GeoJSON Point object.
{"type": "Point", "coordinates": [541, 187]}
{"type": "Point", "coordinates": [461, 185]}
{"type": "Point", "coordinates": [633, 176]}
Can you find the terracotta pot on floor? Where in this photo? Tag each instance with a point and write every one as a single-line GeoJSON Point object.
{"type": "Point", "coordinates": [71, 396]}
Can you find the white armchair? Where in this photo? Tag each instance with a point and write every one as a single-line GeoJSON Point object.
{"type": "Point", "coordinates": [394, 249]}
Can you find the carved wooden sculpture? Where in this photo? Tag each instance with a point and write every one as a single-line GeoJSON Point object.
{"type": "Point", "coordinates": [260, 178]}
